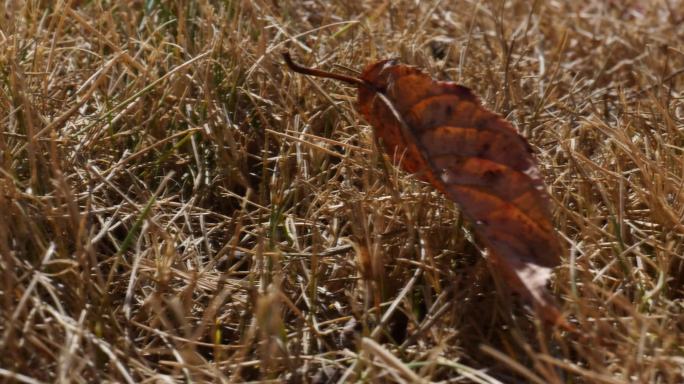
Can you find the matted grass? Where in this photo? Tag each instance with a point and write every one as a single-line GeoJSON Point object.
{"type": "Point", "coordinates": [175, 205]}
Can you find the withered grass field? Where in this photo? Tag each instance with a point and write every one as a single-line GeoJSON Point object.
{"type": "Point", "coordinates": [176, 206]}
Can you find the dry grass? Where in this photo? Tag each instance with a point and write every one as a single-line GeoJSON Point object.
{"type": "Point", "coordinates": [176, 205]}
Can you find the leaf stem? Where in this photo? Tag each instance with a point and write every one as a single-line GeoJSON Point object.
{"type": "Point", "coordinates": [319, 73]}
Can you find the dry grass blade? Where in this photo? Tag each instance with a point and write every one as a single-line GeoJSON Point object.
{"type": "Point", "coordinates": [388, 358]}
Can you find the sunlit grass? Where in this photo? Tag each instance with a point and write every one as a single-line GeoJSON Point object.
{"type": "Point", "coordinates": [175, 205]}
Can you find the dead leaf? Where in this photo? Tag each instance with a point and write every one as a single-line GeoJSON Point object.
{"type": "Point", "coordinates": [441, 132]}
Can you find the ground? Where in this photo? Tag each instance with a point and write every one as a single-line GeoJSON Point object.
{"type": "Point", "coordinates": [179, 206]}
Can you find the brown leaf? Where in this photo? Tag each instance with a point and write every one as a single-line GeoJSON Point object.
{"type": "Point", "coordinates": [441, 132]}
